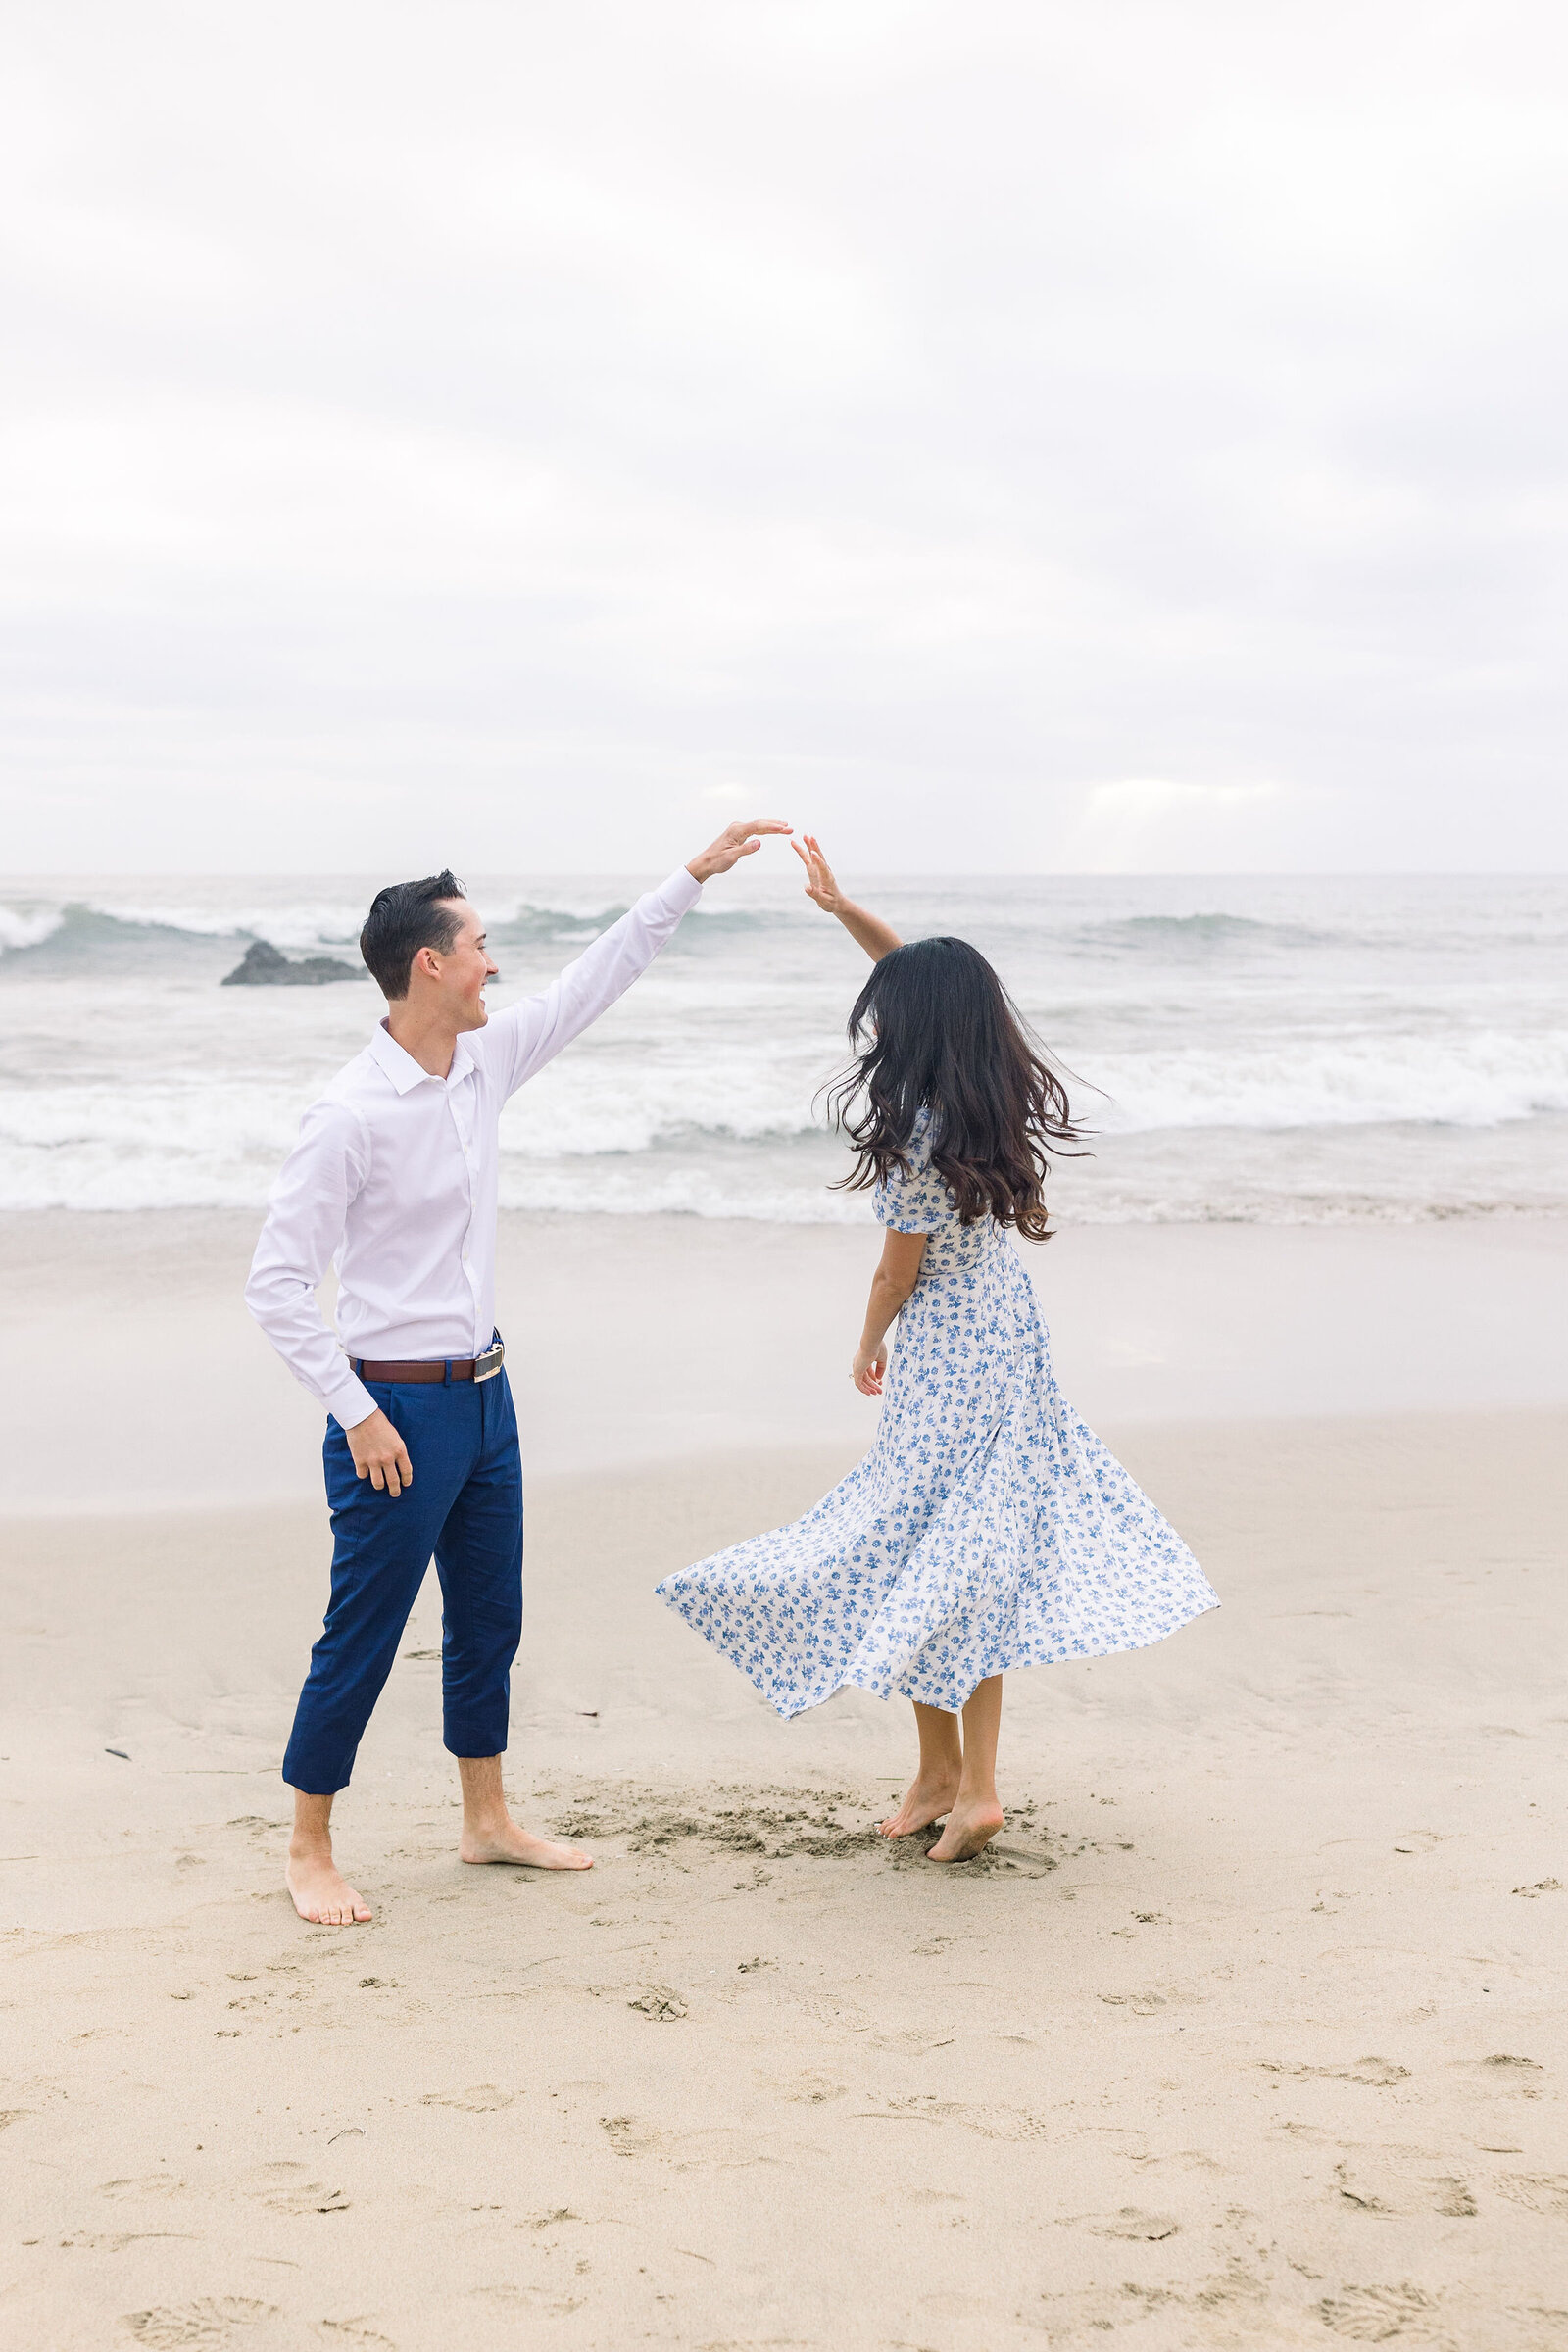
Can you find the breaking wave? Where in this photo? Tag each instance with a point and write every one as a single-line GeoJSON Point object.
{"type": "Point", "coordinates": [1286, 1050]}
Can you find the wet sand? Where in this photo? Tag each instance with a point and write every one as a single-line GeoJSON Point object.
{"type": "Point", "coordinates": [641, 1339]}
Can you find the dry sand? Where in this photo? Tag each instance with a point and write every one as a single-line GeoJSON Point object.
{"type": "Point", "coordinates": [1248, 2031]}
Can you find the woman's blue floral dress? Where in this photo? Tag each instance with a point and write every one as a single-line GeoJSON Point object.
{"type": "Point", "coordinates": [987, 1527]}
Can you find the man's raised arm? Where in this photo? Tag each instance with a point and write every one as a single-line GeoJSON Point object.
{"type": "Point", "coordinates": [537, 1030]}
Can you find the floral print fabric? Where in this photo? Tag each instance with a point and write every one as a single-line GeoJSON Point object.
{"type": "Point", "coordinates": [987, 1529]}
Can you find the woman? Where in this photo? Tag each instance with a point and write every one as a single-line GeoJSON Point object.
{"type": "Point", "coordinates": [988, 1528]}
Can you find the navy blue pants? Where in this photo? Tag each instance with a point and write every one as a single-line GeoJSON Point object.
{"type": "Point", "coordinates": [465, 1507]}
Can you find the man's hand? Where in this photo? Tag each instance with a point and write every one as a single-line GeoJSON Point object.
{"type": "Point", "coordinates": [735, 842]}
{"type": "Point", "coordinates": [379, 1455]}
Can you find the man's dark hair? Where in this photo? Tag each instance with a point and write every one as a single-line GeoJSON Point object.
{"type": "Point", "coordinates": [405, 918]}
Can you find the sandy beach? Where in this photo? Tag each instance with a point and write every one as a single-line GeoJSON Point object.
{"type": "Point", "coordinates": [1247, 2032]}
{"type": "Point", "coordinates": [622, 617]}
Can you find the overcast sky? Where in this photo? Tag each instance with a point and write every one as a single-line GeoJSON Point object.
{"type": "Point", "coordinates": [1066, 435]}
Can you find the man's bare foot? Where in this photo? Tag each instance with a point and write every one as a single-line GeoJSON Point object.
{"type": "Point", "coordinates": [322, 1894]}
{"type": "Point", "coordinates": [506, 1842]}
{"type": "Point", "coordinates": [971, 1827]}
{"type": "Point", "coordinates": [924, 1801]}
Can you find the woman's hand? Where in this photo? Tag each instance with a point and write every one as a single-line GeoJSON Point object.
{"type": "Point", "coordinates": [869, 931]}
{"type": "Point", "coordinates": [821, 885]}
{"type": "Point", "coordinates": [892, 1287]}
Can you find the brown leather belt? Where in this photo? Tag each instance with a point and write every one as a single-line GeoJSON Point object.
{"type": "Point", "coordinates": [469, 1367]}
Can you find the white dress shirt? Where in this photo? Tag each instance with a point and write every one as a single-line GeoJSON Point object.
{"type": "Point", "coordinates": [393, 1178]}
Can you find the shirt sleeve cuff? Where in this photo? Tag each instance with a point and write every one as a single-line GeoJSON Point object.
{"type": "Point", "coordinates": [352, 1402]}
{"type": "Point", "coordinates": [681, 892]}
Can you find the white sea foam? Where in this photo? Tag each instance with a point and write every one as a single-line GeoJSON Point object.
{"type": "Point", "coordinates": [1281, 1050]}
{"type": "Point", "coordinates": [1477, 1081]}
{"type": "Point", "coordinates": [24, 926]}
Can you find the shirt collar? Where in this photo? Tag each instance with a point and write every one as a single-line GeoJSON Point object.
{"type": "Point", "coordinates": [402, 1068]}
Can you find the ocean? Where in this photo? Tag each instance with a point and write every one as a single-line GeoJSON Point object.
{"type": "Point", "coordinates": [1280, 1050]}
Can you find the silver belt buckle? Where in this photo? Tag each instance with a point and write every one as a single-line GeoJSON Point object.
{"type": "Point", "coordinates": [486, 1366]}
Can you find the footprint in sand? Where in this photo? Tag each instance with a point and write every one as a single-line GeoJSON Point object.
{"type": "Point", "coordinates": [283, 2188]}
{"type": "Point", "coordinates": [1538, 2192]}
{"type": "Point", "coordinates": [1142, 2004]}
{"type": "Point", "coordinates": [805, 2091]}
{"type": "Point", "coordinates": [627, 2137]}
{"type": "Point", "coordinates": [1504, 2076]}
{"type": "Point", "coordinates": [1394, 2181]}
{"type": "Point", "coordinates": [1091, 2315]}
{"type": "Point", "coordinates": [1378, 2074]}
{"type": "Point", "coordinates": [504, 2297]}
{"type": "Point", "coordinates": [483, 2098]}
{"type": "Point", "coordinates": [1133, 2224]}
{"type": "Point", "coordinates": [202, 2327]}
{"type": "Point", "coordinates": [662, 2002]}
{"type": "Point", "coordinates": [1011, 2124]}
{"type": "Point", "coordinates": [686, 2151]}
{"type": "Point", "coordinates": [1372, 2315]}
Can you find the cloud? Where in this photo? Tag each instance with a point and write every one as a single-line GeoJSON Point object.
{"type": "Point", "coordinates": [1149, 824]}
{"type": "Point", "coordinates": [925, 409]}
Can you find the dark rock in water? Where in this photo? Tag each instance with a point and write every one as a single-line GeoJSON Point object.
{"type": "Point", "coordinates": [263, 966]}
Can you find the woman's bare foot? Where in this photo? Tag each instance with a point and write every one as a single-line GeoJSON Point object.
{"type": "Point", "coordinates": [506, 1842]}
{"type": "Point", "coordinates": [322, 1894]}
{"type": "Point", "coordinates": [925, 1800]}
{"type": "Point", "coordinates": [970, 1829]}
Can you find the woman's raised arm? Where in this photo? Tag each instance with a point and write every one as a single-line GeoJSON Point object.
{"type": "Point", "coordinates": [869, 931]}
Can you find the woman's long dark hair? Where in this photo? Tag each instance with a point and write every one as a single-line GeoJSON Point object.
{"type": "Point", "coordinates": [936, 1031]}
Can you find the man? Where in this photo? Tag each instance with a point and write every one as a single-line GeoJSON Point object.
{"type": "Point", "coordinates": [393, 1179]}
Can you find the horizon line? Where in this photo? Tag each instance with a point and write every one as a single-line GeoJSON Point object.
{"type": "Point", "coordinates": [593, 873]}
